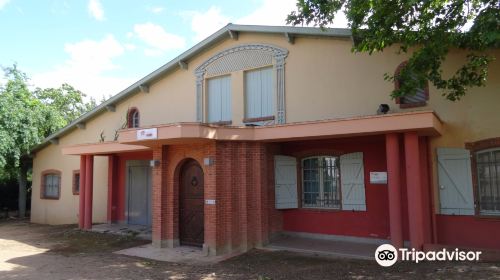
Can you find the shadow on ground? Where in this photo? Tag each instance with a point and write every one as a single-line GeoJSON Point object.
{"type": "Point", "coordinates": [29, 251]}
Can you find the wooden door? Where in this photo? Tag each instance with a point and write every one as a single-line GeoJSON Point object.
{"type": "Point", "coordinates": [191, 214]}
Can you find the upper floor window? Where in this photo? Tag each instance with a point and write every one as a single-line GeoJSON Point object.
{"type": "Point", "coordinates": [51, 184]}
{"type": "Point", "coordinates": [133, 118]}
{"type": "Point", "coordinates": [259, 95]}
{"type": "Point", "coordinates": [321, 182]}
{"type": "Point", "coordinates": [488, 180]}
{"type": "Point", "coordinates": [219, 100]}
{"type": "Point", "coordinates": [418, 99]}
{"type": "Point", "coordinates": [265, 104]}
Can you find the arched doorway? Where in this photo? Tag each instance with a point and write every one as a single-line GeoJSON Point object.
{"type": "Point", "coordinates": [191, 203]}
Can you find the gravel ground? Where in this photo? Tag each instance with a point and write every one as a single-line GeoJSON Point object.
{"type": "Point", "coordinates": [29, 251]}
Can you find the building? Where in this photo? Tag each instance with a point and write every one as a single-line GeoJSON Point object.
{"type": "Point", "coordinates": [258, 130]}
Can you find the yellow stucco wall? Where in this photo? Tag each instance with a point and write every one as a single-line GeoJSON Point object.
{"type": "Point", "coordinates": [323, 80]}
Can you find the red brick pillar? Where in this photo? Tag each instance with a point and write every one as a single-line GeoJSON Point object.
{"type": "Point", "coordinates": [161, 221]}
{"type": "Point", "coordinates": [414, 190]}
{"type": "Point", "coordinates": [89, 185]}
{"type": "Point", "coordinates": [394, 186]}
{"type": "Point", "coordinates": [81, 208]}
{"type": "Point", "coordinates": [245, 178]}
{"type": "Point", "coordinates": [212, 245]}
{"type": "Point", "coordinates": [112, 187]}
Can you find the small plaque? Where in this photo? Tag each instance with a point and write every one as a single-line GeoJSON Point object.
{"type": "Point", "coordinates": [147, 134]}
{"type": "Point", "coordinates": [378, 178]}
{"type": "Point", "coordinates": [210, 201]}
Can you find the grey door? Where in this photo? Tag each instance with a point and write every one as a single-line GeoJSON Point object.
{"type": "Point", "coordinates": [138, 210]}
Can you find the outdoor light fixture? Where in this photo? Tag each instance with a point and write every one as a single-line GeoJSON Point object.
{"type": "Point", "coordinates": [383, 109]}
{"type": "Point", "coordinates": [154, 163]}
{"type": "Point", "coordinates": [208, 161]}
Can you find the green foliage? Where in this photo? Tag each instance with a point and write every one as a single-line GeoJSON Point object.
{"type": "Point", "coordinates": [427, 29]}
{"type": "Point", "coordinates": [28, 116]}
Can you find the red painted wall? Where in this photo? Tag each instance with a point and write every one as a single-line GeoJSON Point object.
{"type": "Point", "coordinates": [468, 231]}
{"type": "Point", "coordinates": [118, 202]}
{"type": "Point", "coordinates": [371, 223]}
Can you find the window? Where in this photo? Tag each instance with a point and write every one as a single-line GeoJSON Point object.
{"type": "Point", "coordinates": [419, 99]}
{"type": "Point", "coordinates": [76, 182]}
{"type": "Point", "coordinates": [488, 180]}
{"type": "Point", "coordinates": [219, 100]}
{"type": "Point", "coordinates": [51, 184]}
{"type": "Point", "coordinates": [321, 182]}
{"type": "Point", "coordinates": [133, 118]}
{"type": "Point", "coordinates": [259, 95]}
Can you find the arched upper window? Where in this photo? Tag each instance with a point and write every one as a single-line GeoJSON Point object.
{"type": "Point", "coordinates": [216, 105]}
{"type": "Point", "coordinates": [419, 99]}
{"type": "Point", "coordinates": [133, 118]}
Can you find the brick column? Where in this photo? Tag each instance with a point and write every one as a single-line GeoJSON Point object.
{"type": "Point", "coordinates": [89, 185]}
{"type": "Point", "coordinates": [112, 187]}
{"type": "Point", "coordinates": [212, 245]}
{"type": "Point", "coordinates": [161, 221]}
{"type": "Point", "coordinates": [394, 185]}
{"type": "Point", "coordinates": [81, 208]}
{"type": "Point", "coordinates": [414, 190]}
{"type": "Point", "coordinates": [245, 177]}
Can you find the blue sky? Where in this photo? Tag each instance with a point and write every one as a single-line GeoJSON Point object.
{"type": "Point", "coordinates": [103, 46]}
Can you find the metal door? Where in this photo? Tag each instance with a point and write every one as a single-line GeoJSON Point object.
{"type": "Point", "coordinates": [138, 192]}
{"type": "Point", "coordinates": [191, 214]}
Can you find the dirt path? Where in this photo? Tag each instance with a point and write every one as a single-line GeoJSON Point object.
{"type": "Point", "coordinates": [30, 251]}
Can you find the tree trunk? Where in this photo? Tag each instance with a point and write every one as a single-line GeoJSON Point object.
{"type": "Point", "coordinates": [22, 180]}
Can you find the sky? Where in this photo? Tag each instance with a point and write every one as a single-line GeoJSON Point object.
{"type": "Point", "coordinates": [103, 46]}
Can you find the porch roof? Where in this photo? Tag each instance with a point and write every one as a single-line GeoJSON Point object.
{"type": "Point", "coordinates": [425, 123]}
{"type": "Point", "coordinates": [102, 148]}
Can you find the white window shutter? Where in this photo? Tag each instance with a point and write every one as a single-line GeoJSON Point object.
{"type": "Point", "coordinates": [259, 93]}
{"type": "Point", "coordinates": [219, 99]}
{"type": "Point", "coordinates": [285, 176]}
{"type": "Point", "coordinates": [455, 181]}
{"type": "Point", "coordinates": [352, 178]}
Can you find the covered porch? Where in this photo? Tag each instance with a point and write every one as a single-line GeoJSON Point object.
{"type": "Point", "coordinates": [128, 189]}
{"type": "Point", "coordinates": [233, 167]}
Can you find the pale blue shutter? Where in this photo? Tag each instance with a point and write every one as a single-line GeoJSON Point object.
{"type": "Point", "coordinates": [352, 181]}
{"type": "Point", "coordinates": [219, 99]}
{"type": "Point", "coordinates": [455, 181]}
{"type": "Point", "coordinates": [285, 176]}
{"type": "Point", "coordinates": [259, 93]}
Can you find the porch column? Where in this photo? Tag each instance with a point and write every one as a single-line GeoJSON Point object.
{"type": "Point", "coordinates": [394, 186]}
{"type": "Point", "coordinates": [81, 193]}
{"type": "Point", "coordinates": [414, 190]}
{"type": "Point", "coordinates": [160, 224]}
{"type": "Point", "coordinates": [112, 187]}
{"type": "Point", "coordinates": [89, 184]}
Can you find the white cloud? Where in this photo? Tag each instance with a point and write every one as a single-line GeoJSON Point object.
{"type": "Point", "coordinates": [156, 10]}
{"type": "Point", "coordinates": [158, 39]}
{"type": "Point", "coordinates": [3, 3]}
{"type": "Point", "coordinates": [269, 12]}
{"type": "Point", "coordinates": [204, 24]}
{"type": "Point", "coordinates": [275, 12]}
{"type": "Point", "coordinates": [130, 47]}
{"type": "Point", "coordinates": [96, 10]}
{"type": "Point", "coordinates": [86, 68]}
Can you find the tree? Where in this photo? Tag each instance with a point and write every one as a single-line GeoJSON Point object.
{"type": "Point", "coordinates": [427, 29]}
{"type": "Point", "coordinates": [27, 117]}
{"type": "Point", "coordinates": [66, 101]}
